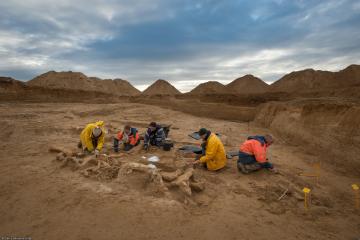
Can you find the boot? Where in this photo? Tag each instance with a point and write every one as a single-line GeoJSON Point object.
{"type": "Point", "coordinates": [253, 167]}
{"type": "Point", "coordinates": [242, 168]}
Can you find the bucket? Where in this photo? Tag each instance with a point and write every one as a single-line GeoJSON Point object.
{"type": "Point", "coordinates": [168, 144]}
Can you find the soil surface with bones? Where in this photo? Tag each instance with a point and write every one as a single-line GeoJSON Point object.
{"type": "Point", "coordinates": [54, 195]}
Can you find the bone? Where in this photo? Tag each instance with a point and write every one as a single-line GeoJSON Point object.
{"type": "Point", "coordinates": [197, 186]}
{"type": "Point", "coordinates": [183, 181]}
{"type": "Point", "coordinates": [171, 176]}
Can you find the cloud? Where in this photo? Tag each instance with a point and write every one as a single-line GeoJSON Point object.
{"type": "Point", "coordinates": [182, 41]}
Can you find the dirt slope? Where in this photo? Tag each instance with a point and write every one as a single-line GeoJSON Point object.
{"type": "Point", "coordinates": [310, 79]}
{"type": "Point", "coordinates": [116, 87]}
{"type": "Point", "coordinates": [161, 87]}
{"type": "Point", "coordinates": [325, 127]}
{"type": "Point", "coordinates": [79, 81]}
{"type": "Point", "coordinates": [14, 90]}
{"type": "Point", "coordinates": [63, 80]}
{"type": "Point", "coordinates": [8, 85]}
{"type": "Point", "coordinates": [246, 85]}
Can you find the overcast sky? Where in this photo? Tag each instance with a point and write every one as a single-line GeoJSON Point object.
{"type": "Point", "coordinates": [183, 41]}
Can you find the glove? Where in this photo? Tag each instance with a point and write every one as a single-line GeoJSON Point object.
{"type": "Point", "coordinates": [97, 152]}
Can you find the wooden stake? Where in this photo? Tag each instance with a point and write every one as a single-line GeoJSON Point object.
{"type": "Point", "coordinates": [355, 188]}
{"type": "Point", "coordinates": [307, 198]}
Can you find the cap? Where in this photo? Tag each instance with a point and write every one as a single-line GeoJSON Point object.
{"type": "Point", "coordinates": [202, 131]}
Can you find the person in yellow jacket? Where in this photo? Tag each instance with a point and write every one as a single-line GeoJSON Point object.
{"type": "Point", "coordinates": [92, 137]}
{"type": "Point", "coordinates": [214, 157]}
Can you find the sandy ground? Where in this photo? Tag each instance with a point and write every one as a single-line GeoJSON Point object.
{"type": "Point", "coordinates": [43, 200]}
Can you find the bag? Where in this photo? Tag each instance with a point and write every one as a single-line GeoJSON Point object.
{"type": "Point", "coordinates": [166, 128]}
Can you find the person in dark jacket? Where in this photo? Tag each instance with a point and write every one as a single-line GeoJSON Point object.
{"type": "Point", "coordinates": [129, 138]}
{"type": "Point", "coordinates": [154, 136]}
{"type": "Point", "coordinates": [252, 155]}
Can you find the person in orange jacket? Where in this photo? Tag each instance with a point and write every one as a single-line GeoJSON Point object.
{"type": "Point", "coordinates": [129, 137]}
{"type": "Point", "coordinates": [213, 157]}
{"type": "Point", "coordinates": [252, 155]}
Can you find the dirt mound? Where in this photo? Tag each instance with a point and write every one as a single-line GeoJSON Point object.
{"type": "Point", "coordinates": [211, 87]}
{"type": "Point", "coordinates": [79, 81]}
{"type": "Point", "coordinates": [63, 80]}
{"type": "Point", "coordinates": [11, 89]}
{"type": "Point", "coordinates": [116, 87]}
{"type": "Point", "coordinates": [349, 76]}
{"type": "Point", "coordinates": [247, 84]}
{"type": "Point", "coordinates": [310, 79]}
{"type": "Point", "coordinates": [14, 90]}
{"type": "Point", "coordinates": [161, 87]}
{"type": "Point", "coordinates": [8, 84]}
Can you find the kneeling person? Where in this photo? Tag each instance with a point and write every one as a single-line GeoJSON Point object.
{"type": "Point", "coordinates": [252, 155]}
{"type": "Point", "coordinates": [214, 157]}
{"type": "Point", "coordinates": [154, 136]}
{"type": "Point", "coordinates": [92, 137]}
{"type": "Point", "coordinates": [129, 137]}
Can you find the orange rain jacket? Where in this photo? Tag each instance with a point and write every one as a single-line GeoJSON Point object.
{"type": "Point", "coordinates": [254, 147]}
{"type": "Point", "coordinates": [133, 137]}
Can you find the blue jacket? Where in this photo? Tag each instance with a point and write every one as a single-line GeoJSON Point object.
{"type": "Point", "coordinates": [261, 139]}
{"type": "Point", "coordinates": [156, 137]}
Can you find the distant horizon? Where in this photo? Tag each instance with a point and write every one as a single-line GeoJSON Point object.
{"type": "Point", "coordinates": [179, 40]}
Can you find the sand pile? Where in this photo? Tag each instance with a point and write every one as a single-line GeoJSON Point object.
{"type": "Point", "coordinates": [63, 80]}
{"type": "Point", "coordinates": [116, 87]}
{"type": "Point", "coordinates": [161, 87]}
{"type": "Point", "coordinates": [39, 90]}
{"type": "Point", "coordinates": [79, 81]}
{"type": "Point", "coordinates": [311, 79]}
{"type": "Point", "coordinates": [247, 84]}
{"type": "Point", "coordinates": [211, 87]}
{"type": "Point", "coordinates": [10, 85]}
{"type": "Point", "coordinates": [349, 76]}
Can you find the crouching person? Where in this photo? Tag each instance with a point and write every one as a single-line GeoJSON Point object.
{"type": "Point", "coordinates": [129, 137]}
{"type": "Point", "coordinates": [154, 136]}
{"type": "Point", "coordinates": [213, 157]}
{"type": "Point", "coordinates": [252, 155]}
{"type": "Point", "coordinates": [92, 138]}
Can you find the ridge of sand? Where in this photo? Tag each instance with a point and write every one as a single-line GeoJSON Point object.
{"type": "Point", "coordinates": [79, 81]}
{"type": "Point", "coordinates": [8, 84]}
{"type": "Point", "coordinates": [247, 84]}
{"type": "Point", "coordinates": [310, 79]}
{"type": "Point", "coordinates": [211, 87]}
{"type": "Point", "coordinates": [161, 87]}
